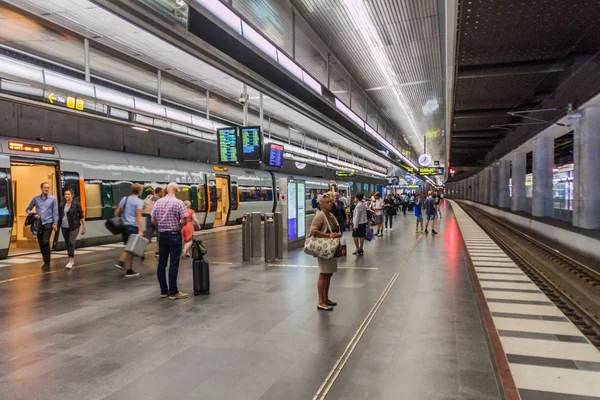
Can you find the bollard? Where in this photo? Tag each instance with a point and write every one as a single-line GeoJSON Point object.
{"type": "Point", "coordinates": [255, 231]}
{"type": "Point", "coordinates": [269, 237]}
{"type": "Point", "coordinates": [279, 235]}
{"type": "Point", "coordinates": [246, 238]}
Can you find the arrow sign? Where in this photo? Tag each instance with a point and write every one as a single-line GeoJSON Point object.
{"type": "Point", "coordinates": [51, 98]}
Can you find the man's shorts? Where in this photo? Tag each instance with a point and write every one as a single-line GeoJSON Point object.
{"type": "Point", "coordinates": [379, 219]}
{"type": "Point", "coordinates": [430, 217]}
{"type": "Point", "coordinates": [419, 217]}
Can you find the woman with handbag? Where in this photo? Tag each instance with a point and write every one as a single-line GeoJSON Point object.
{"type": "Point", "coordinates": [325, 226]}
{"type": "Point", "coordinates": [71, 218]}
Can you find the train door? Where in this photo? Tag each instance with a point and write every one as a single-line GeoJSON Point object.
{"type": "Point", "coordinates": [26, 177]}
{"type": "Point", "coordinates": [223, 202]}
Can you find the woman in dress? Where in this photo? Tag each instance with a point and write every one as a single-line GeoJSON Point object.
{"type": "Point", "coordinates": [71, 218]}
{"type": "Point", "coordinates": [325, 225]}
{"type": "Point", "coordinates": [187, 232]}
{"type": "Point", "coordinates": [339, 210]}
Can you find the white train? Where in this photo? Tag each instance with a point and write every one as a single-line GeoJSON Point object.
{"type": "Point", "coordinates": [100, 178]}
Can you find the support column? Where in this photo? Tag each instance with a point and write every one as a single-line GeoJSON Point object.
{"type": "Point", "coordinates": [586, 180]}
{"type": "Point", "coordinates": [503, 178]}
{"type": "Point", "coordinates": [543, 161]}
{"type": "Point", "coordinates": [519, 168]}
{"type": "Point", "coordinates": [486, 186]}
{"type": "Point", "coordinates": [493, 197]}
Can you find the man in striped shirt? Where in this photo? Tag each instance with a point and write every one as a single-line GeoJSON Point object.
{"type": "Point", "coordinates": [169, 214]}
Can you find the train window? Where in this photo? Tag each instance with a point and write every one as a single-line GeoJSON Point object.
{"type": "Point", "coordinates": [107, 200]}
{"type": "Point", "coordinates": [255, 193]}
{"type": "Point", "coordinates": [183, 193]}
{"type": "Point", "coordinates": [233, 198]}
{"type": "Point", "coordinates": [120, 189]}
{"type": "Point", "coordinates": [194, 197]}
{"type": "Point", "coordinates": [202, 198]}
{"type": "Point", "coordinates": [71, 180]}
{"type": "Point", "coordinates": [4, 200]}
{"type": "Point", "coordinates": [212, 187]}
{"type": "Point", "coordinates": [93, 200]}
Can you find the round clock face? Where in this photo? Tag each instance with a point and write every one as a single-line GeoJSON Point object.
{"type": "Point", "coordinates": [300, 165]}
{"type": "Point", "coordinates": [425, 159]}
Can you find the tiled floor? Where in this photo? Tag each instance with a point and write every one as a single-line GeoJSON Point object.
{"type": "Point", "coordinates": [549, 357]}
{"type": "Point", "coordinates": [89, 333]}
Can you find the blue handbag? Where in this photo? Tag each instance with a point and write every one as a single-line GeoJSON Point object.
{"type": "Point", "coordinates": [369, 236]}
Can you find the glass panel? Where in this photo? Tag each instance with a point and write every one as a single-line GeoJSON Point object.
{"type": "Point", "coordinates": [4, 202]}
{"type": "Point", "coordinates": [202, 198]}
{"type": "Point", "coordinates": [255, 193]}
{"type": "Point", "coordinates": [183, 193]}
{"type": "Point", "coordinates": [174, 10]}
{"type": "Point", "coordinates": [233, 198]}
{"type": "Point", "coordinates": [71, 180]}
{"type": "Point", "coordinates": [107, 200]}
{"type": "Point", "coordinates": [93, 200]}
{"type": "Point", "coordinates": [213, 196]}
{"type": "Point", "coordinates": [119, 190]}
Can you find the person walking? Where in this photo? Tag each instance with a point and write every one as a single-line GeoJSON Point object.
{"type": "Point", "coordinates": [438, 204]}
{"type": "Point", "coordinates": [131, 208]}
{"type": "Point", "coordinates": [149, 201]}
{"type": "Point", "coordinates": [46, 210]}
{"type": "Point", "coordinates": [378, 208]}
{"type": "Point", "coordinates": [71, 218]}
{"type": "Point", "coordinates": [418, 213]}
{"type": "Point", "coordinates": [169, 214]}
{"type": "Point", "coordinates": [388, 211]}
{"type": "Point", "coordinates": [325, 225]}
{"type": "Point", "coordinates": [359, 224]}
{"type": "Point", "coordinates": [187, 232]}
{"type": "Point", "coordinates": [431, 213]}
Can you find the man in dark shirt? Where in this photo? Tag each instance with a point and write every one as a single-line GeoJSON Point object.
{"type": "Point", "coordinates": [431, 213]}
{"type": "Point", "coordinates": [46, 210]}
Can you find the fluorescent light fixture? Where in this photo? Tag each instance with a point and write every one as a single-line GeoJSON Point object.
{"type": "Point", "coordinates": [139, 128]}
{"type": "Point", "coordinates": [68, 84]}
{"type": "Point", "coordinates": [313, 83]}
{"type": "Point", "coordinates": [17, 69]}
{"type": "Point", "coordinates": [114, 97]}
{"type": "Point", "coordinates": [150, 107]}
{"type": "Point", "coordinates": [21, 88]}
{"type": "Point", "coordinates": [117, 113]}
{"type": "Point", "coordinates": [142, 119]}
{"type": "Point", "coordinates": [221, 11]}
{"type": "Point", "coordinates": [259, 41]}
{"type": "Point", "coordinates": [179, 115]}
{"type": "Point", "coordinates": [288, 64]}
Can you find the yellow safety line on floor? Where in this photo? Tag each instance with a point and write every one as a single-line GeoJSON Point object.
{"type": "Point", "coordinates": [316, 266]}
{"type": "Point", "coordinates": [341, 362]}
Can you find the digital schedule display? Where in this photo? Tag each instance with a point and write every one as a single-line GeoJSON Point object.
{"type": "Point", "coordinates": [274, 155]}
{"type": "Point", "coordinates": [292, 211]}
{"type": "Point", "coordinates": [227, 143]}
{"type": "Point", "coordinates": [251, 141]}
{"type": "Point", "coordinates": [300, 204]}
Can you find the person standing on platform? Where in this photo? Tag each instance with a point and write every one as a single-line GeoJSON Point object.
{"type": "Point", "coordinates": [325, 225]}
{"type": "Point", "coordinates": [46, 210]}
{"type": "Point", "coordinates": [149, 202]}
{"type": "Point", "coordinates": [169, 214]}
{"type": "Point", "coordinates": [378, 208]}
{"type": "Point", "coordinates": [418, 213]}
{"type": "Point", "coordinates": [187, 232]}
{"type": "Point", "coordinates": [431, 213]}
{"type": "Point", "coordinates": [388, 211]}
{"type": "Point", "coordinates": [438, 204]}
{"type": "Point", "coordinates": [339, 210]}
{"type": "Point", "coordinates": [71, 217]}
{"type": "Point", "coordinates": [131, 206]}
{"type": "Point", "coordinates": [359, 224]}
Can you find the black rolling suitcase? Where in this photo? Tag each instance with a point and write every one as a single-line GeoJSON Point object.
{"type": "Point", "coordinates": [200, 268]}
{"type": "Point", "coordinates": [201, 277]}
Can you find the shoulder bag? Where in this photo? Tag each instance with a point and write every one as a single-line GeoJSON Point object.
{"type": "Point", "coordinates": [322, 247]}
{"type": "Point", "coordinates": [115, 224]}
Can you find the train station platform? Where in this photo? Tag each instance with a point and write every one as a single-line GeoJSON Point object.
{"type": "Point", "coordinates": [408, 325]}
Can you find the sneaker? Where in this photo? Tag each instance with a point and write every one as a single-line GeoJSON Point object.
{"type": "Point", "coordinates": [156, 254]}
{"type": "Point", "coordinates": [69, 265]}
{"type": "Point", "coordinates": [433, 232]}
{"type": "Point", "coordinates": [164, 296]}
{"type": "Point", "coordinates": [385, 229]}
{"type": "Point", "coordinates": [391, 229]}
{"type": "Point", "coordinates": [178, 296]}
{"type": "Point", "coordinates": [131, 273]}
{"type": "Point", "coordinates": [46, 267]}
{"type": "Point", "coordinates": [120, 265]}
{"type": "Point", "coordinates": [426, 232]}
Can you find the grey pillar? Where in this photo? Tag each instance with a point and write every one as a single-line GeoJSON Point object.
{"type": "Point", "coordinates": [586, 180]}
{"type": "Point", "coordinates": [519, 168]}
{"type": "Point", "coordinates": [486, 186]}
{"type": "Point", "coordinates": [493, 198]}
{"type": "Point", "coordinates": [503, 177]}
{"type": "Point", "coordinates": [543, 161]}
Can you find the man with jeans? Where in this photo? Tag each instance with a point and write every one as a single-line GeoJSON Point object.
{"type": "Point", "coordinates": [46, 210]}
{"type": "Point", "coordinates": [131, 206]}
{"type": "Point", "coordinates": [170, 214]}
{"type": "Point", "coordinates": [431, 213]}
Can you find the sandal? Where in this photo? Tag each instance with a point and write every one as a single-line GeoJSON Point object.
{"type": "Point", "coordinates": [328, 308]}
{"type": "Point", "coordinates": [330, 303]}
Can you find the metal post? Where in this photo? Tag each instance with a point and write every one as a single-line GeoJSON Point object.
{"type": "Point", "coordinates": [329, 71]}
{"type": "Point", "coordinates": [255, 229]}
{"type": "Point", "coordinates": [207, 104]}
{"type": "Point", "coordinates": [86, 58]}
{"type": "Point", "coordinates": [350, 90]}
{"type": "Point", "coordinates": [245, 108]}
{"type": "Point", "coordinates": [261, 111]}
{"type": "Point", "coordinates": [278, 235]}
{"type": "Point", "coordinates": [289, 135]}
{"type": "Point", "coordinates": [269, 127]}
{"type": "Point", "coordinates": [293, 34]}
{"type": "Point", "coordinates": [159, 86]}
{"type": "Point", "coordinates": [246, 238]}
{"type": "Point", "coordinates": [269, 237]}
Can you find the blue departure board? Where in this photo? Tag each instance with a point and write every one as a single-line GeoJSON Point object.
{"type": "Point", "coordinates": [228, 145]}
{"type": "Point", "coordinates": [275, 155]}
{"type": "Point", "coordinates": [251, 140]}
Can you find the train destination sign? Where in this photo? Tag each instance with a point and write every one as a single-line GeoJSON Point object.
{"type": "Point", "coordinates": [227, 144]}
{"type": "Point", "coordinates": [31, 148]}
{"type": "Point", "coordinates": [251, 141]}
{"type": "Point", "coordinates": [345, 173]}
{"type": "Point", "coordinates": [431, 171]}
{"type": "Point", "coordinates": [218, 168]}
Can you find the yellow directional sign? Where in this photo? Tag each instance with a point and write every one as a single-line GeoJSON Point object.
{"type": "Point", "coordinates": [51, 98]}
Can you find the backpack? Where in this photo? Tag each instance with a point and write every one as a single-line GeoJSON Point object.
{"type": "Point", "coordinates": [148, 204]}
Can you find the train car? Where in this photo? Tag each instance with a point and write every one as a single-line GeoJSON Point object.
{"type": "Point", "coordinates": [100, 178]}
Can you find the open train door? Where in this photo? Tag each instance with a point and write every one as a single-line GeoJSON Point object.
{"type": "Point", "coordinates": [6, 207]}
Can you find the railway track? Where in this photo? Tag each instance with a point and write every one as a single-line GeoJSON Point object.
{"type": "Point", "coordinates": [572, 286]}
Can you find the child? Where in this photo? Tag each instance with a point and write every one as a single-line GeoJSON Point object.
{"type": "Point", "coordinates": [418, 213]}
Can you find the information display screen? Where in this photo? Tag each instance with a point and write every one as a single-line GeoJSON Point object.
{"type": "Point", "coordinates": [30, 148]}
{"type": "Point", "coordinates": [431, 171]}
{"type": "Point", "coordinates": [251, 144]}
{"type": "Point", "coordinates": [275, 155]}
{"type": "Point", "coordinates": [292, 204]}
{"type": "Point", "coordinates": [228, 145]}
{"type": "Point", "coordinates": [301, 204]}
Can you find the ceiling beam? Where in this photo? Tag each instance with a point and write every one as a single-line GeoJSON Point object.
{"type": "Point", "coordinates": [506, 69]}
